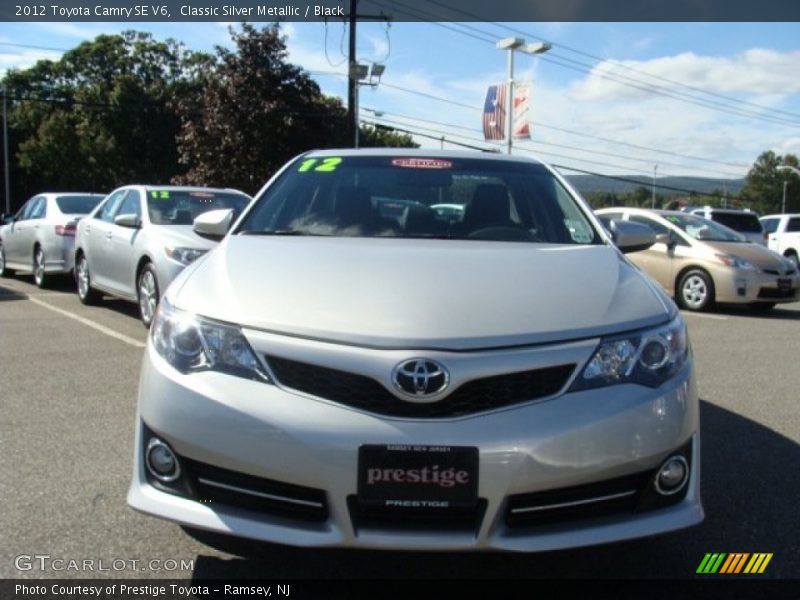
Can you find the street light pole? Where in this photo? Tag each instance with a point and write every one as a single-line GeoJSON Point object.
{"type": "Point", "coordinates": [653, 200]}
{"type": "Point", "coordinates": [511, 44]}
{"type": "Point", "coordinates": [794, 170]}
{"type": "Point", "coordinates": [5, 154]}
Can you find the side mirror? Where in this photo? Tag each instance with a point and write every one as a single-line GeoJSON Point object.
{"type": "Point", "coordinates": [630, 236]}
{"type": "Point", "coordinates": [128, 220]}
{"type": "Point", "coordinates": [666, 239]}
{"type": "Point", "coordinates": [6, 218]}
{"type": "Point", "coordinates": [213, 224]}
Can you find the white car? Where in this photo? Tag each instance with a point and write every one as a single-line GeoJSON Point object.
{"type": "Point", "coordinates": [40, 238]}
{"type": "Point", "coordinates": [331, 376]}
{"type": "Point", "coordinates": [783, 235]}
{"type": "Point", "coordinates": [135, 243]}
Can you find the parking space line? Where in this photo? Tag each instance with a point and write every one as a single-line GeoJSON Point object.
{"type": "Point", "coordinates": [88, 322]}
{"type": "Point", "coordinates": [704, 316]}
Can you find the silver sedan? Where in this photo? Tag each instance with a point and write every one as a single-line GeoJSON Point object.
{"type": "Point", "coordinates": [135, 243]}
{"type": "Point", "coordinates": [40, 238]}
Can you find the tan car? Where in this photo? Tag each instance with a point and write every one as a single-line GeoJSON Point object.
{"type": "Point", "coordinates": [701, 262]}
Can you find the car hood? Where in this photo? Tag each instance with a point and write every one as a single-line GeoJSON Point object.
{"type": "Point", "coordinates": [761, 256]}
{"type": "Point", "coordinates": [400, 293]}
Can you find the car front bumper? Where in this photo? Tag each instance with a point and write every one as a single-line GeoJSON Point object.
{"type": "Point", "coordinates": [568, 442]}
{"type": "Point", "coordinates": [752, 286]}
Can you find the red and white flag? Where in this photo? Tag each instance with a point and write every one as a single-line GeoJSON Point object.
{"type": "Point", "coordinates": [520, 126]}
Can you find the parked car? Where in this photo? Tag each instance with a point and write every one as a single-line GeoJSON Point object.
{"type": "Point", "coordinates": [744, 221]}
{"type": "Point", "coordinates": [701, 262]}
{"type": "Point", "coordinates": [783, 235]}
{"type": "Point", "coordinates": [40, 238]}
{"type": "Point", "coordinates": [506, 381]}
{"type": "Point", "coordinates": [135, 243]}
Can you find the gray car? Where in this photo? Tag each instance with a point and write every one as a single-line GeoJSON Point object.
{"type": "Point", "coordinates": [335, 374]}
{"type": "Point", "coordinates": [40, 238]}
{"type": "Point", "coordinates": [135, 243]}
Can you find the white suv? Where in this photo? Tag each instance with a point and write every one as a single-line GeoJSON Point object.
{"type": "Point", "coordinates": [744, 221]}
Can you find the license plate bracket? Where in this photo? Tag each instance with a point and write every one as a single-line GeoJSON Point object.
{"type": "Point", "coordinates": [417, 476]}
{"type": "Point", "coordinates": [784, 285]}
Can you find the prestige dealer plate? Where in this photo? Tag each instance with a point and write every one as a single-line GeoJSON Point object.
{"type": "Point", "coordinates": [413, 476]}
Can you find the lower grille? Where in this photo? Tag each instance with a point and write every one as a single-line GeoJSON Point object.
{"type": "Point", "coordinates": [368, 394]}
{"type": "Point", "coordinates": [776, 294]}
{"type": "Point", "coordinates": [216, 485]}
{"type": "Point", "coordinates": [419, 519]}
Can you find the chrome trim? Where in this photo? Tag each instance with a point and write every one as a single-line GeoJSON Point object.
{"type": "Point", "coordinates": [154, 441]}
{"type": "Point", "coordinates": [573, 503]}
{"type": "Point", "coordinates": [683, 483]}
{"type": "Point", "coordinates": [234, 488]}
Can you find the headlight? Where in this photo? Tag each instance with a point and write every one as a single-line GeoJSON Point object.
{"type": "Point", "coordinates": [184, 255]}
{"type": "Point", "coordinates": [737, 262]}
{"type": "Point", "coordinates": [648, 358]}
{"type": "Point", "coordinates": [192, 343]}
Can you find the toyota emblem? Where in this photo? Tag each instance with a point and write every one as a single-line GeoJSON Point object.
{"type": "Point", "coordinates": [420, 378]}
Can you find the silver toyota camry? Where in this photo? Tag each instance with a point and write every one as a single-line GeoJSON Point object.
{"type": "Point", "coordinates": [352, 367]}
{"type": "Point", "coordinates": [134, 244]}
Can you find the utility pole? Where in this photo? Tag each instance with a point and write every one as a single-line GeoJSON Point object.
{"type": "Point", "coordinates": [352, 82]}
{"type": "Point", "coordinates": [653, 201]}
{"type": "Point", "coordinates": [5, 152]}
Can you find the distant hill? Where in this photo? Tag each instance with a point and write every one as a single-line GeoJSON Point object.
{"type": "Point", "coordinates": [593, 183]}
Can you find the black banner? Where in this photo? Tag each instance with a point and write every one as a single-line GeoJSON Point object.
{"type": "Point", "coordinates": [400, 10]}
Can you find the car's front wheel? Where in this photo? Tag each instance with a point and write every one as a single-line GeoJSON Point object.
{"type": "Point", "coordinates": [86, 293]}
{"type": "Point", "coordinates": [39, 275]}
{"type": "Point", "coordinates": [695, 290]}
{"type": "Point", "coordinates": [147, 287]}
{"type": "Point", "coordinates": [4, 271]}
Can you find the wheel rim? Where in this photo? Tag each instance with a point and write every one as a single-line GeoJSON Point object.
{"type": "Point", "coordinates": [148, 295]}
{"type": "Point", "coordinates": [694, 291]}
{"type": "Point", "coordinates": [38, 266]}
{"type": "Point", "coordinates": [83, 278]}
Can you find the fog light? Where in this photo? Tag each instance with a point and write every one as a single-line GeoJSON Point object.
{"type": "Point", "coordinates": [672, 475]}
{"type": "Point", "coordinates": [161, 461]}
{"type": "Point", "coordinates": [741, 287]}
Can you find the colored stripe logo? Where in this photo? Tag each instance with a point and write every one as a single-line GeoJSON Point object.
{"type": "Point", "coordinates": [734, 563]}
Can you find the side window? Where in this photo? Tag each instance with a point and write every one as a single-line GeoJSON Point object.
{"type": "Point", "coordinates": [23, 212]}
{"type": "Point", "coordinates": [39, 208]}
{"type": "Point", "coordinates": [770, 225]}
{"type": "Point", "coordinates": [793, 224]}
{"type": "Point", "coordinates": [654, 225]}
{"type": "Point", "coordinates": [131, 205]}
{"type": "Point", "coordinates": [111, 205]}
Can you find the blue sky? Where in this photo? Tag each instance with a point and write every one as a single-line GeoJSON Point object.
{"type": "Point", "coordinates": [703, 99]}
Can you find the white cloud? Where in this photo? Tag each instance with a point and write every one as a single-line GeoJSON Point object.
{"type": "Point", "coordinates": [25, 58]}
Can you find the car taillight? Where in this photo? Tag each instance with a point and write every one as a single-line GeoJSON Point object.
{"type": "Point", "coordinates": [66, 230]}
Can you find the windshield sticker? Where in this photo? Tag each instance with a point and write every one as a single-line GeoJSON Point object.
{"type": "Point", "coordinates": [328, 165]}
{"type": "Point", "coordinates": [160, 194]}
{"type": "Point", "coordinates": [205, 195]}
{"type": "Point", "coordinates": [422, 163]}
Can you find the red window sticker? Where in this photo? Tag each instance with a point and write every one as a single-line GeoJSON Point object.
{"type": "Point", "coordinates": [201, 194]}
{"type": "Point", "coordinates": [422, 163]}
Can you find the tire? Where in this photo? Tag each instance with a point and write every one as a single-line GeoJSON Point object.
{"type": "Point", "coordinates": [4, 271]}
{"type": "Point", "coordinates": [695, 291]}
{"type": "Point", "coordinates": [86, 293]}
{"type": "Point", "coordinates": [148, 294]}
{"type": "Point", "coordinates": [792, 256]}
{"type": "Point", "coordinates": [39, 276]}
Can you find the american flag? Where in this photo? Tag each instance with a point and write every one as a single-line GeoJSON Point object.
{"type": "Point", "coordinates": [494, 112]}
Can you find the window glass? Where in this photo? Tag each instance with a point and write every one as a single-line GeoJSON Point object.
{"type": "Point", "coordinates": [770, 225]}
{"type": "Point", "coordinates": [182, 207]}
{"type": "Point", "coordinates": [704, 229]}
{"type": "Point", "coordinates": [110, 207]}
{"type": "Point", "coordinates": [397, 196]}
{"type": "Point", "coordinates": [793, 224]}
{"type": "Point", "coordinates": [39, 208]}
{"type": "Point", "coordinates": [77, 205]}
{"type": "Point", "coordinates": [24, 212]}
{"type": "Point", "coordinates": [651, 223]}
{"type": "Point", "coordinates": [738, 221]}
{"type": "Point", "coordinates": [131, 205]}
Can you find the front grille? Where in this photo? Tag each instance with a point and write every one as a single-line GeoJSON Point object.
{"type": "Point", "coordinates": [416, 519]}
{"type": "Point", "coordinates": [776, 272]}
{"type": "Point", "coordinates": [215, 485]}
{"type": "Point", "coordinates": [776, 294]}
{"type": "Point", "coordinates": [368, 394]}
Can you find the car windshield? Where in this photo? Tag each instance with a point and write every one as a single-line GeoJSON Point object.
{"type": "Point", "coordinates": [704, 230]}
{"type": "Point", "coordinates": [181, 207]}
{"type": "Point", "coordinates": [414, 197]}
{"type": "Point", "coordinates": [77, 205]}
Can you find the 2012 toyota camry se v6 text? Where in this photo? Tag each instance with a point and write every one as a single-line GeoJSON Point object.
{"type": "Point", "coordinates": [354, 366]}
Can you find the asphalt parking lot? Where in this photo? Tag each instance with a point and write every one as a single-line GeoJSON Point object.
{"type": "Point", "coordinates": [68, 379]}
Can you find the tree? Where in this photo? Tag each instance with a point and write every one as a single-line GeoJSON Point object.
{"type": "Point", "coordinates": [259, 111]}
{"type": "Point", "coordinates": [763, 189]}
{"type": "Point", "coordinates": [101, 116]}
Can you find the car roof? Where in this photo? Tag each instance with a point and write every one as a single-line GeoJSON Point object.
{"type": "Point", "coordinates": [181, 188]}
{"type": "Point", "coordinates": [778, 216]}
{"type": "Point", "coordinates": [412, 152]}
